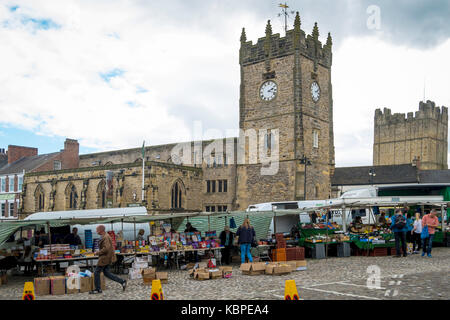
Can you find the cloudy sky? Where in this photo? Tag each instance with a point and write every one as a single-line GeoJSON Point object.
{"type": "Point", "coordinates": [114, 73]}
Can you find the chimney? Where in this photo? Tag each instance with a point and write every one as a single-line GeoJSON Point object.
{"type": "Point", "coordinates": [70, 159]}
{"type": "Point", "coordinates": [16, 152]}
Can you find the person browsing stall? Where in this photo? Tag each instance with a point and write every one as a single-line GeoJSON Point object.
{"type": "Point", "coordinates": [246, 235]}
{"type": "Point", "coordinates": [106, 257]}
{"type": "Point", "coordinates": [226, 239]}
{"type": "Point", "coordinates": [432, 222]}
{"type": "Point", "coordinates": [399, 228]}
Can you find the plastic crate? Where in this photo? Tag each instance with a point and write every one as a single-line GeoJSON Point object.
{"type": "Point", "coordinates": [318, 252]}
{"type": "Point", "coordinates": [343, 249]}
{"type": "Point", "coordinates": [378, 252]}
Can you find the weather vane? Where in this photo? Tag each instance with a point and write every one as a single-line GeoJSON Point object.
{"type": "Point", "coordinates": [286, 14]}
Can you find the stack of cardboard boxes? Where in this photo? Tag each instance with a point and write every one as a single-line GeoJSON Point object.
{"type": "Point", "coordinates": [201, 272]}
{"type": "Point", "coordinates": [138, 265]}
{"type": "Point", "coordinates": [272, 268]}
{"type": "Point", "coordinates": [60, 285]}
{"type": "Point", "coordinates": [150, 274]}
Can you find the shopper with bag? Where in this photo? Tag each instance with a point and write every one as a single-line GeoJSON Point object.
{"type": "Point", "coordinates": [106, 256]}
{"type": "Point", "coordinates": [429, 224]}
{"type": "Point", "coordinates": [399, 228]}
{"type": "Point", "coordinates": [246, 237]}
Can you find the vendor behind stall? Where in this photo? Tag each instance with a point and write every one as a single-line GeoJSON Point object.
{"type": "Point", "coordinates": [382, 219]}
{"type": "Point", "coordinates": [73, 238]}
{"type": "Point", "coordinates": [356, 225]}
{"type": "Point", "coordinates": [189, 256]}
{"type": "Point", "coordinates": [140, 236]}
{"type": "Point", "coordinates": [43, 238]}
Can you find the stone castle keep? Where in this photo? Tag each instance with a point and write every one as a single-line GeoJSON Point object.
{"type": "Point", "coordinates": [285, 92]}
{"type": "Point", "coordinates": [420, 138]}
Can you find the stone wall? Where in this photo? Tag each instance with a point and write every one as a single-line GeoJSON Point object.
{"type": "Point", "coordinates": [127, 180]}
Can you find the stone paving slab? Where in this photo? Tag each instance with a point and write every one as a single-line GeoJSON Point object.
{"type": "Point", "coordinates": [327, 279]}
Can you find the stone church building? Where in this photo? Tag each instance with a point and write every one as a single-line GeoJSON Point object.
{"type": "Point", "coordinates": [285, 92]}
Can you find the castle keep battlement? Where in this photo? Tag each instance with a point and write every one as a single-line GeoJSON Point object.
{"type": "Point", "coordinates": [420, 138]}
{"type": "Point", "coordinates": [427, 110]}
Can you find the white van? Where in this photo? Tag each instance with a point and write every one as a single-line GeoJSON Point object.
{"type": "Point", "coordinates": [128, 228]}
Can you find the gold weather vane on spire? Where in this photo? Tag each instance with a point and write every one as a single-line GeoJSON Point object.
{"type": "Point", "coordinates": [286, 14]}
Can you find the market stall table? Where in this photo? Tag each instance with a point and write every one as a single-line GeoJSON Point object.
{"type": "Point", "coordinates": [42, 262]}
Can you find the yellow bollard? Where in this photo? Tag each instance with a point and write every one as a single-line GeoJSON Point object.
{"type": "Point", "coordinates": [290, 291]}
{"type": "Point", "coordinates": [157, 293]}
{"type": "Point", "coordinates": [28, 291]}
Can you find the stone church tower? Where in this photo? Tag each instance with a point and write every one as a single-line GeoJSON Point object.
{"type": "Point", "coordinates": [421, 138]}
{"type": "Point", "coordinates": [286, 86]}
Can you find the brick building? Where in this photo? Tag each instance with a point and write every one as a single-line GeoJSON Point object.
{"type": "Point", "coordinates": [17, 161]}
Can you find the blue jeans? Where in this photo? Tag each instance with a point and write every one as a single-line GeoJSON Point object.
{"type": "Point", "coordinates": [245, 250]}
{"type": "Point", "coordinates": [107, 273]}
{"type": "Point", "coordinates": [427, 244]}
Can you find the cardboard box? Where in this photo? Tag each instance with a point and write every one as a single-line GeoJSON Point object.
{"type": "Point", "coordinates": [201, 274]}
{"type": "Point", "coordinates": [292, 264]}
{"type": "Point", "coordinates": [73, 282]}
{"type": "Point", "coordinates": [134, 274]}
{"type": "Point", "coordinates": [42, 286]}
{"type": "Point", "coordinates": [215, 274]}
{"type": "Point", "coordinates": [300, 265]}
{"type": "Point", "coordinates": [58, 285]}
{"type": "Point", "coordinates": [253, 269]}
{"type": "Point", "coordinates": [202, 265]}
{"type": "Point", "coordinates": [269, 268]}
{"type": "Point", "coordinates": [226, 271]}
{"type": "Point", "coordinates": [282, 269]}
{"type": "Point", "coordinates": [148, 275]}
{"type": "Point", "coordinates": [258, 266]}
{"type": "Point", "coordinates": [162, 276]}
{"type": "Point", "coordinates": [190, 265]}
{"type": "Point", "coordinates": [85, 284]}
{"type": "Point", "coordinates": [3, 279]}
{"type": "Point", "coordinates": [102, 282]}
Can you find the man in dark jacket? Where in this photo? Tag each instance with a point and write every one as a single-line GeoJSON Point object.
{"type": "Point", "coordinates": [226, 239]}
{"type": "Point", "coordinates": [399, 228]}
{"type": "Point", "coordinates": [106, 256]}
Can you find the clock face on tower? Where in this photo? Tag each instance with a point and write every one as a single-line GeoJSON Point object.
{"type": "Point", "coordinates": [315, 91]}
{"type": "Point", "coordinates": [268, 91]}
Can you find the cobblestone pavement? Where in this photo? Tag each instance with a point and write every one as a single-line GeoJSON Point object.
{"type": "Point", "coordinates": [414, 277]}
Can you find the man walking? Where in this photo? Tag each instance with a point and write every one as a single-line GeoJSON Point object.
{"type": "Point", "coordinates": [431, 221]}
{"type": "Point", "coordinates": [106, 256]}
{"type": "Point", "coordinates": [399, 228]}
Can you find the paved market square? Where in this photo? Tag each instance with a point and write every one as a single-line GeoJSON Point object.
{"type": "Point", "coordinates": [410, 278]}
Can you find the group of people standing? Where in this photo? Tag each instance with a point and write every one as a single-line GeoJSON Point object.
{"type": "Point", "coordinates": [420, 231]}
{"type": "Point", "coordinates": [245, 237]}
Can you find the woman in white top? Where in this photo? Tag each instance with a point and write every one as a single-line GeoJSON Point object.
{"type": "Point", "coordinates": [415, 232]}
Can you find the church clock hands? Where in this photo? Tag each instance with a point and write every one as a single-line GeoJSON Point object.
{"type": "Point", "coordinates": [268, 91]}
